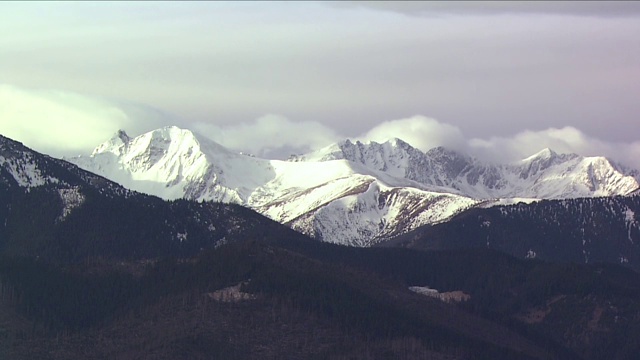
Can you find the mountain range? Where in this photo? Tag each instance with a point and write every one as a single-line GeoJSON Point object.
{"type": "Point", "coordinates": [353, 193]}
{"type": "Point", "coordinates": [53, 210]}
{"type": "Point", "coordinates": [92, 269]}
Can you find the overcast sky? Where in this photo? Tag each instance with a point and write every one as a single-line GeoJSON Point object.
{"type": "Point", "coordinates": [501, 79]}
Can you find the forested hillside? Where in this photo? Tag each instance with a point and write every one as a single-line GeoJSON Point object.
{"type": "Point", "coordinates": [302, 299]}
{"type": "Point", "coordinates": [586, 230]}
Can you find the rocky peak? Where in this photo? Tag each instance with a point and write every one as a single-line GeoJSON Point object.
{"type": "Point", "coordinates": [122, 135]}
{"type": "Point", "coordinates": [114, 144]}
{"type": "Point", "coordinates": [545, 153]}
{"type": "Point", "coordinates": [541, 161]}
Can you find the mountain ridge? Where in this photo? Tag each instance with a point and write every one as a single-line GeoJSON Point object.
{"type": "Point", "coordinates": [177, 164]}
{"type": "Point", "coordinates": [444, 167]}
{"type": "Point", "coordinates": [54, 210]}
{"type": "Point", "coordinates": [83, 258]}
{"type": "Point", "coordinates": [354, 193]}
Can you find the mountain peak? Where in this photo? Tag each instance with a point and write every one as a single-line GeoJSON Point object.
{"type": "Point", "coordinates": [120, 138]}
{"type": "Point", "coordinates": [345, 142]}
{"type": "Point", "coordinates": [385, 148]}
{"type": "Point", "coordinates": [545, 153]}
{"type": "Point", "coordinates": [441, 152]}
{"type": "Point", "coordinates": [394, 142]}
{"type": "Point", "coordinates": [172, 133]}
{"type": "Point", "coordinates": [179, 138]}
{"type": "Point", "coordinates": [162, 138]}
{"type": "Point", "coordinates": [122, 135]}
{"type": "Point", "coordinates": [397, 141]}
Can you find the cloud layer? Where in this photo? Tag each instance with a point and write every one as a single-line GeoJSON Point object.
{"type": "Point", "coordinates": [270, 135]}
{"type": "Point", "coordinates": [419, 131]}
{"type": "Point", "coordinates": [562, 140]}
{"type": "Point", "coordinates": [490, 68]}
{"type": "Point", "coordinates": [573, 8]}
{"type": "Point", "coordinates": [64, 123]}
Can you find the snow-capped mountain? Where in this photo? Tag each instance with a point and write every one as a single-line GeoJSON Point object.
{"type": "Point", "coordinates": [337, 200]}
{"type": "Point", "coordinates": [351, 193]}
{"type": "Point", "coordinates": [545, 175]}
{"type": "Point", "coordinates": [52, 209]}
{"type": "Point", "coordinates": [21, 167]}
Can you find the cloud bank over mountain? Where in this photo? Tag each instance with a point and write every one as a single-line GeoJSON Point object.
{"type": "Point", "coordinates": [488, 68]}
{"type": "Point", "coordinates": [269, 134]}
{"type": "Point", "coordinates": [63, 123]}
{"type": "Point", "coordinates": [571, 8]}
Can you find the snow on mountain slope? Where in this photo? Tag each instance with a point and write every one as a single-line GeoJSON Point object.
{"type": "Point", "coordinates": [569, 176]}
{"type": "Point", "coordinates": [352, 193]}
{"type": "Point", "coordinates": [22, 170]}
{"type": "Point", "coordinates": [20, 165]}
{"type": "Point", "coordinates": [380, 212]}
{"type": "Point", "coordinates": [545, 175]}
{"type": "Point", "coordinates": [173, 163]}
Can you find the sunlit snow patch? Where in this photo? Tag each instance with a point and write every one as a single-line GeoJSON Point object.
{"type": "Point", "coordinates": [71, 199]}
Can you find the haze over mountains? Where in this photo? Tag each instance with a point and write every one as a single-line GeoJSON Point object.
{"type": "Point", "coordinates": [351, 193]}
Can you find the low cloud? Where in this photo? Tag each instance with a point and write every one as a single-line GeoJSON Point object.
{"type": "Point", "coordinates": [426, 133]}
{"type": "Point", "coordinates": [571, 8]}
{"type": "Point", "coordinates": [270, 136]}
{"type": "Point", "coordinates": [562, 140]}
{"type": "Point", "coordinates": [63, 123]}
{"type": "Point", "coordinates": [419, 131]}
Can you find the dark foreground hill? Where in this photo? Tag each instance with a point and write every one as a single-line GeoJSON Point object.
{"type": "Point", "coordinates": [587, 230]}
{"type": "Point", "coordinates": [53, 210]}
{"type": "Point", "coordinates": [90, 270]}
{"type": "Point", "coordinates": [281, 299]}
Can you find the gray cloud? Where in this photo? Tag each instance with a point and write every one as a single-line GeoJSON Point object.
{"type": "Point", "coordinates": [426, 133]}
{"type": "Point", "coordinates": [572, 8]}
{"type": "Point", "coordinates": [66, 124]}
{"type": "Point", "coordinates": [270, 136]}
{"type": "Point", "coordinates": [62, 123]}
{"type": "Point", "coordinates": [221, 65]}
{"type": "Point", "coordinates": [563, 140]}
{"type": "Point", "coordinates": [420, 131]}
